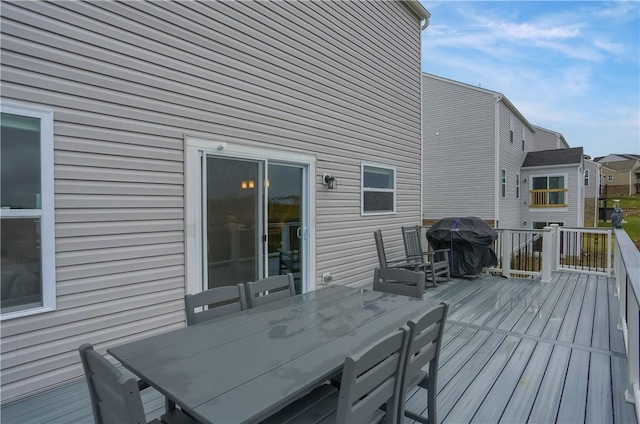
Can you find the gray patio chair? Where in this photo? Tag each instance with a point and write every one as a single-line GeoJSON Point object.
{"type": "Point", "coordinates": [399, 281]}
{"type": "Point", "coordinates": [382, 256]}
{"type": "Point", "coordinates": [371, 380]}
{"type": "Point", "coordinates": [436, 262]}
{"type": "Point", "coordinates": [115, 398]}
{"type": "Point", "coordinates": [220, 301]}
{"type": "Point", "coordinates": [421, 364]}
{"type": "Point", "coordinates": [270, 289]}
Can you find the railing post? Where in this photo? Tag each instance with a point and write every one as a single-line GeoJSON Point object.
{"type": "Point", "coordinates": [506, 253]}
{"type": "Point", "coordinates": [633, 350]}
{"type": "Point", "coordinates": [555, 249]}
{"type": "Point", "coordinates": [609, 246]}
{"type": "Point", "coordinates": [547, 254]}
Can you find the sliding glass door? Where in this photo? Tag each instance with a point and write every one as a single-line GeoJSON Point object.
{"type": "Point", "coordinates": [253, 219]}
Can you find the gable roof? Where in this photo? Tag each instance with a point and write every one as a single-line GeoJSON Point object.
{"type": "Point", "coordinates": [619, 156]}
{"type": "Point", "coordinates": [572, 156]}
{"type": "Point", "coordinates": [622, 165]}
{"type": "Point", "coordinates": [498, 96]}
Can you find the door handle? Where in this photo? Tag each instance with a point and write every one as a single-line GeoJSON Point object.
{"type": "Point", "coordinates": [299, 233]}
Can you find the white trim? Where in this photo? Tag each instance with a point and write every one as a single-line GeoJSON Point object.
{"type": "Point", "coordinates": [193, 214]}
{"type": "Point", "coordinates": [46, 213]}
{"type": "Point", "coordinates": [379, 190]}
{"type": "Point", "coordinates": [503, 183]}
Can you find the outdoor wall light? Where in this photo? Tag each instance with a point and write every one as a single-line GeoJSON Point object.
{"type": "Point", "coordinates": [330, 181]}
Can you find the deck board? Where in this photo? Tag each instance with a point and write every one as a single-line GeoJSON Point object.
{"type": "Point", "coordinates": [514, 351]}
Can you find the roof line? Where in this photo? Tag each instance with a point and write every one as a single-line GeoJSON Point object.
{"type": "Point", "coordinates": [416, 7]}
{"type": "Point", "coordinates": [495, 94]}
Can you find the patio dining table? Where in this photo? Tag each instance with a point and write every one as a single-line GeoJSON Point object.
{"type": "Point", "coordinates": [244, 367]}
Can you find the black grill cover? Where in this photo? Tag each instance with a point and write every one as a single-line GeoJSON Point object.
{"type": "Point", "coordinates": [470, 241]}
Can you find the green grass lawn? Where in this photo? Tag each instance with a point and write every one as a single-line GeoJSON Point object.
{"type": "Point", "coordinates": [631, 226]}
{"type": "Point", "coordinates": [631, 209]}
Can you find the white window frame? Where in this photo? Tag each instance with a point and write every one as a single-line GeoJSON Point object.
{"type": "Point", "coordinates": [561, 207]}
{"type": "Point", "coordinates": [517, 186]}
{"type": "Point", "coordinates": [503, 183]}
{"type": "Point", "coordinates": [587, 178]}
{"type": "Point", "coordinates": [610, 178]}
{"type": "Point", "coordinates": [46, 213]}
{"type": "Point", "coordinates": [364, 189]}
{"type": "Point", "coordinates": [524, 138]}
{"type": "Point", "coordinates": [512, 128]}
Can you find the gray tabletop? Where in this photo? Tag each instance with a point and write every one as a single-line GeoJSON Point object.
{"type": "Point", "coordinates": [246, 366]}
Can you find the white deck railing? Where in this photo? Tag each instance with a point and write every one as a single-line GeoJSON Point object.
{"type": "Point", "coordinates": [627, 271]}
{"type": "Point", "coordinates": [584, 249]}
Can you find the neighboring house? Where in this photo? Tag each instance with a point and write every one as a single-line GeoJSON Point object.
{"type": "Point", "coordinates": [544, 139]}
{"type": "Point", "coordinates": [475, 147]}
{"type": "Point", "coordinates": [153, 149]}
{"type": "Point", "coordinates": [592, 178]}
{"type": "Point", "coordinates": [474, 142]}
{"type": "Point", "coordinates": [622, 174]}
{"type": "Point", "coordinates": [553, 181]}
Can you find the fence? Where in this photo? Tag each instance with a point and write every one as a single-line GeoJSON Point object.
{"type": "Point", "coordinates": [519, 252]}
{"type": "Point", "coordinates": [536, 253]}
{"type": "Point", "coordinates": [627, 271]}
{"type": "Point", "coordinates": [585, 250]}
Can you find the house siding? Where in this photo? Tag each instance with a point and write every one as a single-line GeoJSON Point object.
{"type": "Point", "coordinates": [572, 215]}
{"type": "Point", "coordinates": [458, 150]}
{"type": "Point", "coordinates": [127, 81]}
{"type": "Point", "coordinates": [511, 157]}
{"type": "Point", "coordinates": [545, 140]}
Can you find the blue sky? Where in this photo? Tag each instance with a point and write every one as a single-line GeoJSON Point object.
{"type": "Point", "coordinates": [570, 66]}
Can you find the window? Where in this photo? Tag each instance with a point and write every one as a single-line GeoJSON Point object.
{"type": "Point", "coordinates": [586, 177]}
{"type": "Point", "coordinates": [610, 177]}
{"type": "Point", "coordinates": [524, 138]}
{"type": "Point", "coordinates": [503, 183]}
{"type": "Point", "coordinates": [548, 191]}
{"type": "Point", "coordinates": [378, 189]}
{"type": "Point", "coordinates": [512, 127]}
{"type": "Point", "coordinates": [517, 186]}
{"type": "Point", "coordinates": [26, 215]}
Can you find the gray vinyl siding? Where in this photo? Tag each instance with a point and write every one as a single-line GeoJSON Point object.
{"type": "Point", "coordinates": [127, 81]}
{"type": "Point", "coordinates": [511, 157]}
{"type": "Point", "coordinates": [592, 190]}
{"type": "Point", "coordinates": [458, 150]}
{"type": "Point", "coordinates": [545, 140]}
{"type": "Point", "coordinates": [570, 217]}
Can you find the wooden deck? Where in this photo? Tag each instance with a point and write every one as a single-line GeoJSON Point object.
{"type": "Point", "coordinates": [515, 351]}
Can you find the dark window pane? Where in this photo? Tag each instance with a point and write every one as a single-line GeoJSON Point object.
{"type": "Point", "coordinates": [556, 182]}
{"type": "Point", "coordinates": [378, 202]}
{"type": "Point", "coordinates": [378, 177]}
{"type": "Point", "coordinates": [20, 162]}
{"type": "Point", "coordinates": [556, 198]}
{"type": "Point", "coordinates": [20, 261]}
{"type": "Point", "coordinates": [539, 183]}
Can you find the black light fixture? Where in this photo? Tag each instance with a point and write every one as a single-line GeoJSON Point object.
{"type": "Point", "coordinates": [330, 181]}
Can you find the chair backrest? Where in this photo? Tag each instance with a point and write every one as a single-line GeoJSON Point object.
{"type": "Point", "coordinates": [270, 289]}
{"type": "Point", "coordinates": [412, 244]}
{"type": "Point", "coordinates": [425, 340]}
{"type": "Point", "coordinates": [115, 398]}
{"type": "Point", "coordinates": [382, 256]}
{"type": "Point", "coordinates": [220, 301]}
{"type": "Point", "coordinates": [399, 281]}
{"type": "Point", "coordinates": [374, 378]}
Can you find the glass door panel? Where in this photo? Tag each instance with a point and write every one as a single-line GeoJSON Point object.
{"type": "Point", "coordinates": [285, 221]}
{"type": "Point", "coordinates": [232, 217]}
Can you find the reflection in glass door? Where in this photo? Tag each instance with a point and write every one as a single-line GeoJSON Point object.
{"type": "Point", "coordinates": [232, 221]}
{"type": "Point", "coordinates": [285, 221]}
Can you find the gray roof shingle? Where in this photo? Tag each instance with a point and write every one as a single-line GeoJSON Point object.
{"type": "Point", "coordinates": [570, 156]}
